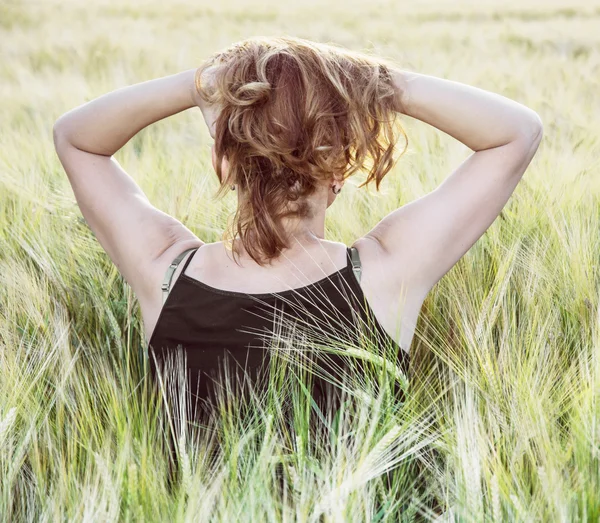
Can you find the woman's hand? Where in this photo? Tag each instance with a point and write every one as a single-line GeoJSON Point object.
{"type": "Point", "coordinates": [401, 87]}
{"type": "Point", "coordinates": [209, 112]}
{"type": "Point", "coordinates": [194, 95]}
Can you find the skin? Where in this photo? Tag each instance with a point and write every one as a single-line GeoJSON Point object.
{"type": "Point", "coordinates": [402, 256]}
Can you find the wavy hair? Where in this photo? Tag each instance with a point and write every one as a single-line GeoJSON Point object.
{"type": "Point", "coordinates": [292, 114]}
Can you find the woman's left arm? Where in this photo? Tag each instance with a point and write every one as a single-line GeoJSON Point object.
{"type": "Point", "coordinates": [131, 230]}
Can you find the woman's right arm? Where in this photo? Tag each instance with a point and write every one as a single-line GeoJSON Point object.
{"type": "Point", "coordinates": [421, 241]}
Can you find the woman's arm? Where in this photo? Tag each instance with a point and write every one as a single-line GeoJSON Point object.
{"type": "Point", "coordinates": [421, 241]}
{"type": "Point", "coordinates": [133, 232]}
{"type": "Point", "coordinates": [107, 123]}
{"type": "Point", "coordinates": [480, 119]}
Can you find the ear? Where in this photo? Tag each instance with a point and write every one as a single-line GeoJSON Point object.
{"type": "Point", "coordinates": [224, 163]}
{"type": "Point", "coordinates": [213, 157]}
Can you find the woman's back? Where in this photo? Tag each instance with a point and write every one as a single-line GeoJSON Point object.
{"type": "Point", "coordinates": [220, 321]}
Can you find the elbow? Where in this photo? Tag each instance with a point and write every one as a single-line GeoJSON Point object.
{"type": "Point", "coordinates": [538, 127]}
{"type": "Point", "coordinates": [530, 133]}
{"type": "Point", "coordinates": [58, 133]}
{"type": "Point", "coordinates": [533, 128]}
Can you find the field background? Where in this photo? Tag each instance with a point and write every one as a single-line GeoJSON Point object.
{"type": "Point", "coordinates": [504, 423]}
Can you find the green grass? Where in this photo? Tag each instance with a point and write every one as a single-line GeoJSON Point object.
{"type": "Point", "coordinates": [503, 417]}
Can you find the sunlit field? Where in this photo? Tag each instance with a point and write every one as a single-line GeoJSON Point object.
{"type": "Point", "coordinates": [502, 417]}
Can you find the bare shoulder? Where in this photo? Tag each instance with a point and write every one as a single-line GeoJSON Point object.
{"type": "Point", "coordinates": [162, 263]}
{"type": "Point", "coordinates": [151, 301]}
{"type": "Point", "coordinates": [381, 269]}
{"type": "Point", "coordinates": [389, 289]}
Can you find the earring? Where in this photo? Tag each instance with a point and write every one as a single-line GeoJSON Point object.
{"type": "Point", "coordinates": [233, 187]}
{"type": "Point", "coordinates": [334, 191]}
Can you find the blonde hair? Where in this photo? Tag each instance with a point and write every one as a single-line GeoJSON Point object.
{"type": "Point", "coordinates": [292, 113]}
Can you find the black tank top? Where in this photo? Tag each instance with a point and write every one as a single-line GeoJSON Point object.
{"type": "Point", "coordinates": [209, 323]}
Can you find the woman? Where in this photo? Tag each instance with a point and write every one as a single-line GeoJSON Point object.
{"type": "Point", "coordinates": [291, 120]}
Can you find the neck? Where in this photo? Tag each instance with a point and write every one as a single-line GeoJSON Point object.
{"type": "Point", "coordinates": [307, 230]}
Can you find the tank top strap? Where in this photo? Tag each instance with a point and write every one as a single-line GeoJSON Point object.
{"type": "Point", "coordinates": [356, 265]}
{"type": "Point", "coordinates": [166, 285]}
{"type": "Point", "coordinates": [187, 262]}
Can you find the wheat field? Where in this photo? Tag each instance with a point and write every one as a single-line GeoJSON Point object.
{"type": "Point", "coordinates": [503, 418]}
